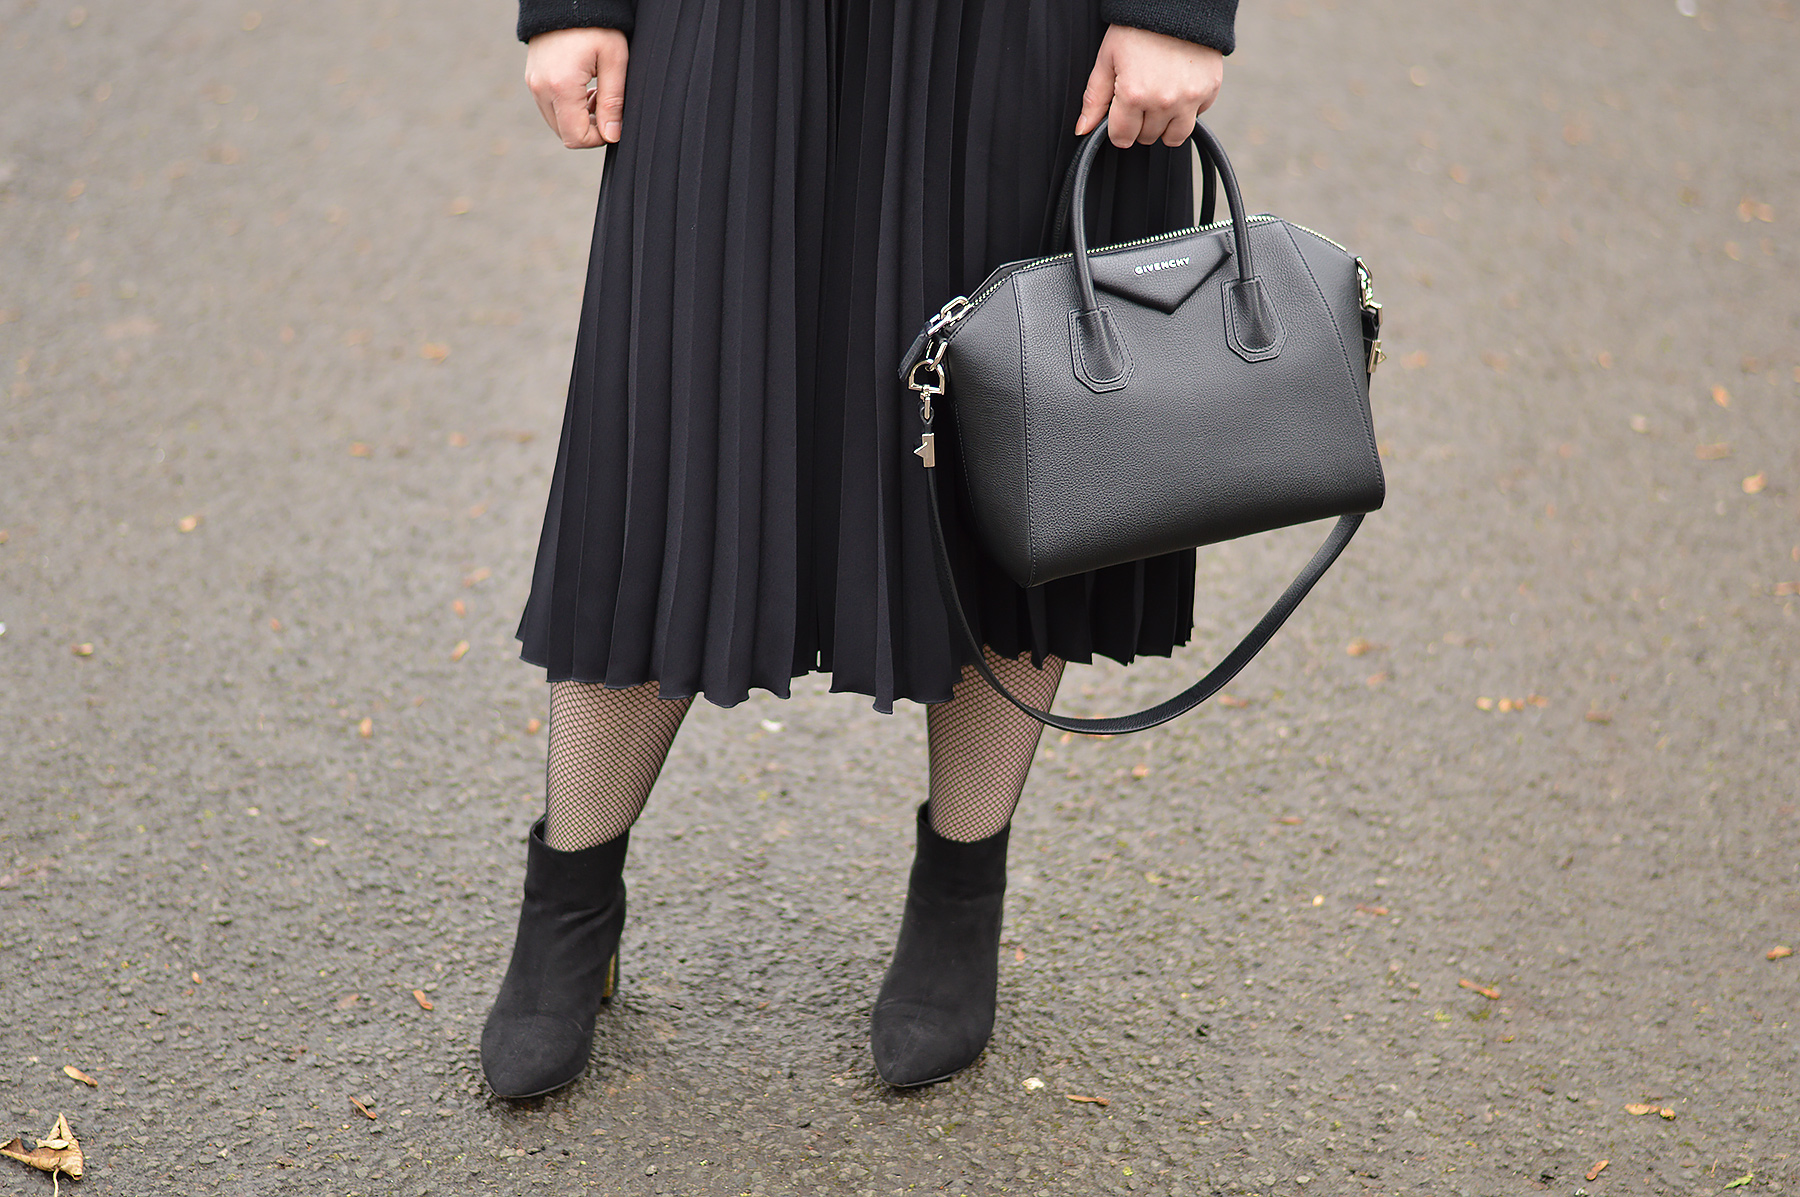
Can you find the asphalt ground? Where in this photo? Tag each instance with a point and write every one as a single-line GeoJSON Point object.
{"type": "Point", "coordinates": [288, 301]}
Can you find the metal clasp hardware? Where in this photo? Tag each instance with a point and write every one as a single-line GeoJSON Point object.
{"type": "Point", "coordinates": [1371, 315]}
{"type": "Point", "coordinates": [932, 365]}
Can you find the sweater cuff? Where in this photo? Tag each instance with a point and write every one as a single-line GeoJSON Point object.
{"type": "Point", "coordinates": [543, 16]}
{"type": "Point", "coordinates": [1203, 22]}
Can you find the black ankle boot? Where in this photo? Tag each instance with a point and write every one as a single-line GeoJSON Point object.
{"type": "Point", "coordinates": [936, 1008]}
{"type": "Point", "coordinates": [565, 963]}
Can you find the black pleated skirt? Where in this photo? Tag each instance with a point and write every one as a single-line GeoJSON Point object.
{"type": "Point", "coordinates": [798, 185]}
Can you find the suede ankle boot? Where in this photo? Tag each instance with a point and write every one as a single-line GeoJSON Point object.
{"type": "Point", "coordinates": [565, 963]}
{"type": "Point", "coordinates": [936, 1007]}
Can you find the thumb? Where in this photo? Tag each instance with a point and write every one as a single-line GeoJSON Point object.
{"type": "Point", "coordinates": [1096, 99]}
{"type": "Point", "coordinates": [609, 97]}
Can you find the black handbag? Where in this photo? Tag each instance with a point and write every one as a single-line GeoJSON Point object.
{"type": "Point", "coordinates": [1137, 399]}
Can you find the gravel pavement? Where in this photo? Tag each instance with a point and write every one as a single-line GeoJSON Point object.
{"type": "Point", "coordinates": [1487, 850]}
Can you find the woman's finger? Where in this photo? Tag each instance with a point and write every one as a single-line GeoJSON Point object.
{"type": "Point", "coordinates": [609, 95]}
{"type": "Point", "coordinates": [1124, 121]}
{"type": "Point", "coordinates": [1098, 96]}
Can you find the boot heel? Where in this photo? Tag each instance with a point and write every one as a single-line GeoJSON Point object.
{"type": "Point", "coordinates": [612, 980]}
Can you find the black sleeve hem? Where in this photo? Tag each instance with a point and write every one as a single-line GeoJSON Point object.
{"type": "Point", "coordinates": [543, 16]}
{"type": "Point", "coordinates": [1203, 22]}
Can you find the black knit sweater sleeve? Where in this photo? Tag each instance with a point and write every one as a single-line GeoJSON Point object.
{"type": "Point", "coordinates": [1206, 22]}
{"type": "Point", "coordinates": [542, 16]}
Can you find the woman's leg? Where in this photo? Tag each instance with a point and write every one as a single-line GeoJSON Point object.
{"type": "Point", "coordinates": [606, 749]}
{"type": "Point", "coordinates": [936, 1008]}
{"type": "Point", "coordinates": [982, 746]}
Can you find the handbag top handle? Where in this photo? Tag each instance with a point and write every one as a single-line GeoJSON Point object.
{"type": "Point", "coordinates": [1211, 150]}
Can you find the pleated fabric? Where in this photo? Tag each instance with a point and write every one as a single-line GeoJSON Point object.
{"type": "Point", "coordinates": [798, 185]}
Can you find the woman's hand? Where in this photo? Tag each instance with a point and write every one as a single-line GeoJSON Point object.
{"type": "Point", "coordinates": [1150, 85]}
{"type": "Point", "coordinates": [558, 67]}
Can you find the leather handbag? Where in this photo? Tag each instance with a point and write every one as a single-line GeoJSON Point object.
{"type": "Point", "coordinates": [1122, 402]}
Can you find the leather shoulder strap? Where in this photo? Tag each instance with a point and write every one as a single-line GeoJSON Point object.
{"type": "Point", "coordinates": [1188, 699]}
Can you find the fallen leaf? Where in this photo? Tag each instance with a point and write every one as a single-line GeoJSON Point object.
{"type": "Point", "coordinates": [1360, 647]}
{"type": "Point", "coordinates": [1233, 701]}
{"type": "Point", "coordinates": [424, 1002]}
{"type": "Point", "coordinates": [1721, 396]}
{"type": "Point", "coordinates": [1604, 360]}
{"type": "Point", "coordinates": [1599, 717]}
{"type": "Point", "coordinates": [1638, 1109]}
{"type": "Point", "coordinates": [460, 651]}
{"type": "Point", "coordinates": [1492, 995]}
{"type": "Point", "coordinates": [1594, 1172]}
{"type": "Point", "coordinates": [434, 351]}
{"type": "Point", "coordinates": [1741, 1181]}
{"type": "Point", "coordinates": [1779, 952]}
{"type": "Point", "coordinates": [1507, 705]}
{"type": "Point", "coordinates": [476, 578]}
{"type": "Point", "coordinates": [1033, 1083]}
{"type": "Point", "coordinates": [1485, 703]}
{"type": "Point", "coordinates": [1538, 700]}
{"type": "Point", "coordinates": [194, 977]}
{"type": "Point", "coordinates": [358, 449]}
{"type": "Point", "coordinates": [1376, 679]}
{"type": "Point", "coordinates": [58, 1152]}
{"type": "Point", "coordinates": [460, 608]}
{"type": "Point", "coordinates": [1713, 452]}
{"type": "Point", "coordinates": [348, 1000]}
{"type": "Point", "coordinates": [1753, 485]}
{"type": "Point", "coordinates": [1667, 1114]}
{"type": "Point", "coordinates": [1140, 771]}
{"type": "Point", "coordinates": [1018, 955]}
{"type": "Point", "coordinates": [75, 1074]}
{"type": "Point", "coordinates": [1375, 910]}
{"type": "Point", "coordinates": [1785, 588]}
{"type": "Point", "coordinates": [187, 523]}
{"type": "Point", "coordinates": [274, 625]}
{"type": "Point", "coordinates": [363, 1110]}
{"type": "Point", "coordinates": [82, 650]}
{"type": "Point", "coordinates": [366, 728]}
{"type": "Point", "coordinates": [1291, 820]}
{"type": "Point", "coordinates": [1102, 1102]}
{"type": "Point", "coordinates": [534, 726]}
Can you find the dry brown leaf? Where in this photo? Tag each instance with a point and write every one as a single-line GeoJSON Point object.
{"type": "Point", "coordinates": [534, 726]}
{"type": "Point", "coordinates": [1753, 485]}
{"type": "Point", "coordinates": [1140, 771]}
{"type": "Point", "coordinates": [460, 608]}
{"type": "Point", "coordinates": [424, 1002]}
{"type": "Point", "coordinates": [58, 1152]}
{"type": "Point", "coordinates": [1594, 1172]}
{"type": "Point", "coordinates": [1376, 679]}
{"type": "Point", "coordinates": [187, 523]}
{"type": "Point", "coordinates": [366, 728]}
{"type": "Point", "coordinates": [434, 351]}
{"type": "Point", "coordinates": [348, 1000]}
{"type": "Point", "coordinates": [1375, 910]}
{"type": "Point", "coordinates": [460, 651]}
{"type": "Point", "coordinates": [1291, 820]}
{"type": "Point", "coordinates": [1638, 1109]}
{"type": "Point", "coordinates": [1786, 588]}
{"type": "Point", "coordinates": [194, 977]}
{"type": "Point", "coordinates": [477, 577]}
{"type": "Point", "coordinates": [1599, 717]}
{"type": "Point", "coordinates": [1779, 952]}
{"type": "Point", "coordinates": [1666, 1114]}
{"type": "Point", "coordinates": [1492, 995]}
{"type": "Point", "coordinates": [75, 1074]}
{"type": "Point", "coordinates": [1233, 701]}
{"type": "Point", "coordinates": [363, 1110]}
{"type": "Point", "coordinates": [1092, 1101]}
{"type": "Point", "coordinates": [1484, 703]}
{"type": "Point", "coordinates": [1721, 396]}
{"type": "Point", "coordinates": [1360, 647]}
{"type": "Point", "coordinates": [82, 650]}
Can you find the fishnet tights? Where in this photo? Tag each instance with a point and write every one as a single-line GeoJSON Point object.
{"type": "Point", "coordinates": [606, 749]}
{"type": "Point", "coordinates": [982, 746]}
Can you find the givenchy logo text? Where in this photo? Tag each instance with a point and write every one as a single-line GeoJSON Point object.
{"type": "Point", "coordinates": [1152, 267]}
